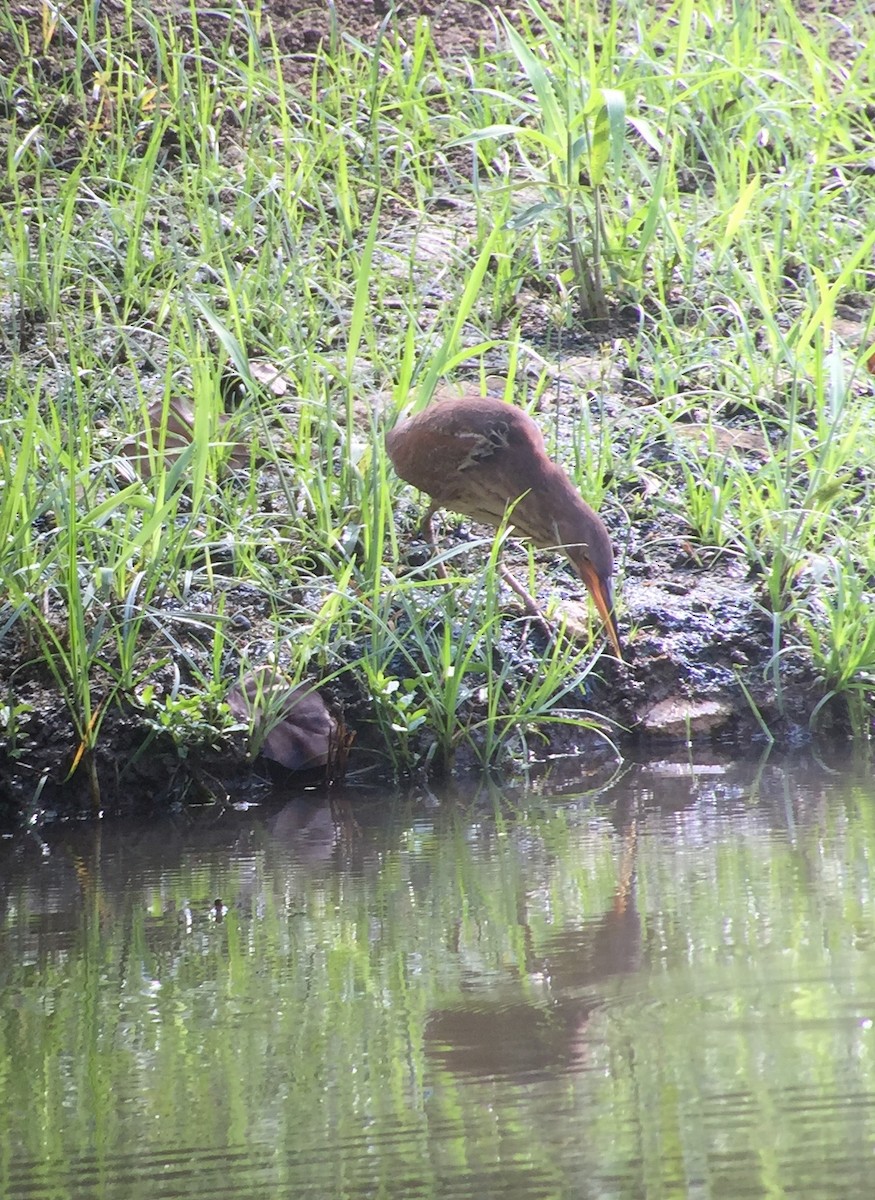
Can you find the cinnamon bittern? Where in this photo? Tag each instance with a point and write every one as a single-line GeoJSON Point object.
{"type": "Point", "coordinates": [478, 456]}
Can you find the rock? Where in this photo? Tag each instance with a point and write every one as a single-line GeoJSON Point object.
{"type": "Point", "coordinates": [678, 716]}
{"type": "Point", "coordinates": [291, 723]}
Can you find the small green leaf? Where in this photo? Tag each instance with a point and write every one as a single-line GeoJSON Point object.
{"type": "Point", "coordinates": [608, 132]}
{"type": "Point", "coordinates": [739, 212]}
{"type": "Point", "coordinates": [552, 118]}
{"type": "Point", "coordinates": [535, 212]}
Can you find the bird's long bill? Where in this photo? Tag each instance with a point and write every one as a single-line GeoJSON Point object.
{"type": "Point", "coordinates": [600, 590]}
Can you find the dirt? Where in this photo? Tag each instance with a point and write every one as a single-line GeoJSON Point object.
{"type": "Point", "coordinates": [698, 636]}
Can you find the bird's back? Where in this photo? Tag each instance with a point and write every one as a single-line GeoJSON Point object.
{"type": "Point", "coordinates": [450, 446]}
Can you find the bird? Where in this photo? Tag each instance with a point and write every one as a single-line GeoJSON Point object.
{"type": "Point", "coordinates": [485, 458]}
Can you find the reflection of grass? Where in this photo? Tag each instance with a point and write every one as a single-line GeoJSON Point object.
{"type": "Point", "coordinates": [168, 213]}
{"type": "Point", "coordinates": [734, 965]}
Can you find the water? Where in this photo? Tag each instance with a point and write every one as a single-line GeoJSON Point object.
{"type": "Point", "coordinates": [663, 988]}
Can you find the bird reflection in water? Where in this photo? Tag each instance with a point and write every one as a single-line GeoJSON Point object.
{"type": "Point", "coordinates": [523, 1039]}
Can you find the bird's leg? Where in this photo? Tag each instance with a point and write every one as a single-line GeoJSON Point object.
{"type": "Point", "coordinates": [429, 538]}
{"type": "Point", "coordinates": [529, 602]}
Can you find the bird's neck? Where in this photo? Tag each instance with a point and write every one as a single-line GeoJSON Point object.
{"type": "Point", "coordinates": [574, 517]}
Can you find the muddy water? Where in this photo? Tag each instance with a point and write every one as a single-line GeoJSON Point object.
{"type": "Point", "coordinates": [663, 988]}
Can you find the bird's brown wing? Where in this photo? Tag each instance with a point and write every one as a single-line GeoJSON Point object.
{"type": "Point", "coordinates": [473, 457]}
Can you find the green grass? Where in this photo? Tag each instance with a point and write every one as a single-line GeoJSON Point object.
{"type": "Point", "coordinates": [172, 211]}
